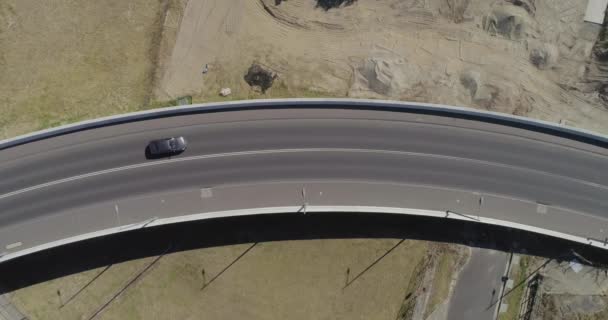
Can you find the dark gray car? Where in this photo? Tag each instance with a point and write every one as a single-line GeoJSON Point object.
{"type": "Point", "coordinates": [167, 146]}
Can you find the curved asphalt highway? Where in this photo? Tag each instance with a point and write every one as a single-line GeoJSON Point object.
{"type": "Point", "coordinates": [262, 153]}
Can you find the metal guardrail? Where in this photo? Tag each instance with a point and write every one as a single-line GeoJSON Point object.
{"type": "Point", "coordinates": [354, 104]}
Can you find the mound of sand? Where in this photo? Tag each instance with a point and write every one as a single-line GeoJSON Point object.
{"type": "Point", "coordinates": [544, 56]}
{"type": "Point", "coordinates": [511, 22]}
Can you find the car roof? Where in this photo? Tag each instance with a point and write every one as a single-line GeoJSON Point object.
{"type": "Point", "coordinates": [162, 145]}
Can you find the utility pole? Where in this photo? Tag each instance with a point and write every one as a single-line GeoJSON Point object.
{"type": "Point", "coordinates": [204, 277]}
{"type": "Point", "coordinates": [347, 276]}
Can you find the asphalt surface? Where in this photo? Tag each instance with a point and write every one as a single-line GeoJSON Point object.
{"type": "Point", "coordinates": [478, 288]}
{"type": "Point", "coordinates": [45, 179]}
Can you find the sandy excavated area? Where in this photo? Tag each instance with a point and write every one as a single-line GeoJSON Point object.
{"type": "Point", "coordinates": [534, 60]}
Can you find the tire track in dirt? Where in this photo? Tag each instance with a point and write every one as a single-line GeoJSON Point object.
{"type": "Point", "coordinates": [288, 18]}
{"type": "Point", "coordinates": [154, 52]}
{"type": "Point", "coordinates": [279, 18]}
{"type": "Point", "coordinates": [233, 17]}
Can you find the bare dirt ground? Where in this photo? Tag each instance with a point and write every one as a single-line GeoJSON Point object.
{"type": "Point", "coordinates": [569, 294]}
{"type": "Point", "coordinates": [330, 279]}
{"type": "Point", "coordinates": [545, 289]}
{"type": "Point", "coordinates": [534, 59]}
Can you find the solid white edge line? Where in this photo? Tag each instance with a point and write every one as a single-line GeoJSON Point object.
{"type": "Point", "coordinates": [296, 210]}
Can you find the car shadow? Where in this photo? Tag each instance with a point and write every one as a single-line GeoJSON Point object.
{"type": "Point", "coordinates": [151, 156]}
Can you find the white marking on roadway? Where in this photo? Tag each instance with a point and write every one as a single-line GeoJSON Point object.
{"type": "Point", "coordinates": [541, 208]}
{"type": "Point", "coordinates": [117, 214]}
{"type": "Point", "coordinates": [263, 152]}
{"type": "Point", "coordinates": [206, 193]}
{"type": "Point", "coordinates": [447, 213]}
{"type": "Point", "coordinates": [14, 245]}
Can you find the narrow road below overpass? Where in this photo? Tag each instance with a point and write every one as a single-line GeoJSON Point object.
{"type": "Point", "coordinates": [478, 287]}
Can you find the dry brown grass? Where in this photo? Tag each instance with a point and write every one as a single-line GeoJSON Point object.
{"type": "Point", "coordinates": [63, 61]}
{"type": "Point", "coordinates": [513, 300]}
{"type": "Point", "coordinates": [275, 280]}
{"type": "Point", "coordinates": [450, 260]}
